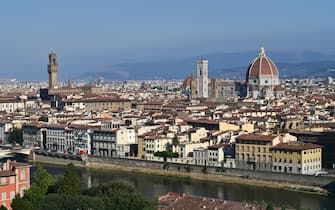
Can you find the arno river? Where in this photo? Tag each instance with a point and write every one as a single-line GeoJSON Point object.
{"type": "Point", "coordinates": [152, 186]}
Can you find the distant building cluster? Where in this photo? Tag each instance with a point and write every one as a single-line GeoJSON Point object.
{"type": "Point", "coordinates": [262, 81]}
{"type": "Point", "coordinates": [259, 124]}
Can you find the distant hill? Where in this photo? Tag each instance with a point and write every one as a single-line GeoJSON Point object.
{"type": "Point", "coordinates": [221, 65]}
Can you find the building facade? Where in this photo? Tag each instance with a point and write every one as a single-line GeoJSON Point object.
{"type": "Point", "coordinates": [15, 179]}
{"type": "Point", "coordinates": [104, 143]}
{"type": "Point", "coordinates": [253, 151]}
{"type": "Point", "coordinates": [297, 158]}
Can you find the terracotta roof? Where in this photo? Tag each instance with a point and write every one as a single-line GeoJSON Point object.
{"type": "Point", "coordinates": [217, 146]}
{"type": "Point", "coordinates": [278, 88]}
{"type": "Point", "coordinates": [254, 137]}
{"type": "Point", "coordinates": [262, 65]}
{"type": "Point", "coordinates": [7, 173]}
{"type": "Point", "coordinates": [203, 121]}
{"type": "Point", "coordinates": [18, 164]}
{"type": "Point", "coordinates": [296, 146]}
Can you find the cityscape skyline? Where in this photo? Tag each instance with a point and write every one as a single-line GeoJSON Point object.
{"type": "Point", "coordinates": [104, 34]}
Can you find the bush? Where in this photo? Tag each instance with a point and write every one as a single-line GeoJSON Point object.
{"type": "Point", "coordinates": [187, 168]}
{"type": "Point", "coordinates": [166, 166]}
{"type": "Point", "coordinates": [204, 170]}
{"type": "Point", "coordinates": [167, 154]}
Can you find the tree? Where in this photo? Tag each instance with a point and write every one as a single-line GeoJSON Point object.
{"type": "Point", "coordinates": [70, 184]}
{"type": "Point", "coordinates": [19, 203]}
{"type": "Point", "coordinates": [42, 180]}
{"type": "Point", "coordinates": [175, 141]}
{"type": "Point", "coordinates": [15, 136]}
{"type": "Point", "coordinates": [66, 202]}
{"type": "Point", "coordinates": [168, 147]}
{"type": "Point", "coordinates": [107, 190]}
{"type": "Point", "coordinates": [3, 208]}
{"type": "Point", "coordinates": [119, 195]}
{"type": "Point", "coordinates": [129, 201]}
{"type": "Point", "coordinates": [269, 206]}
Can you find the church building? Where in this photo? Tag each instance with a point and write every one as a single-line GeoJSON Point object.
{"type": "Point", "coordinates": [262, 81]}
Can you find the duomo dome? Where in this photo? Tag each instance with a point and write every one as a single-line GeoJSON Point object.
{"type": "Point", "coordinates": [263, 77]}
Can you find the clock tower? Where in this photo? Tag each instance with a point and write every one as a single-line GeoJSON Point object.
{"type": "Point", "coordinates": [52, 70]}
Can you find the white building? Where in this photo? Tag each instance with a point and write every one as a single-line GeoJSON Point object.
{"type": "Point", "coordinates": [155, 144]}
{"type": "Point", "coordinates": [184, 149]}
{"type": "Point", "coordinates": [11, 105]}
{"type": "Point", "coordinates": [124, 138]}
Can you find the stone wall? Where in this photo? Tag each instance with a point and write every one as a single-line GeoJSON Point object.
{"type": "Point", "coordinates": [56, 160]}
{"type": "Point", "coordinates": [321, 181]}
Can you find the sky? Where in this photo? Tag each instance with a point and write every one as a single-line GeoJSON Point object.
{"type": "Point", "coordinates": [108, 31]}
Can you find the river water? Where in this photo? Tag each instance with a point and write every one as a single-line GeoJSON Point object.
{"type": "Point", "coordinates": [152, 186]}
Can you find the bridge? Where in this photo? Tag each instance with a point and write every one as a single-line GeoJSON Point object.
{"type": "Point", "coordinates": [14, 151]}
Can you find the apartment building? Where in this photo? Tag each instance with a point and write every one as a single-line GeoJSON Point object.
{"type": "Point", "coordinates": [253, 151]}
{"type": "Point", "coordinates": [104, 143]}
{"type": "Point", "coordinates": [297, 158]}
{"type": "Point", "coordinates": [15, 178]}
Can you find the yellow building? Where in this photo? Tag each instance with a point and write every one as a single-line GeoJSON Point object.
{"type": "Point", "coordinates": [297, 157]}
{"type": "Point", "coordinates": [224, 126]}
{"type": "Point", "coordinates": [253, 151]}
{"type": "Point", "coordinates": [106, 103]}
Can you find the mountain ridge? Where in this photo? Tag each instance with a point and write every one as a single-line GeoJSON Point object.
{"type": "Point", "coordinates": [221, 65]}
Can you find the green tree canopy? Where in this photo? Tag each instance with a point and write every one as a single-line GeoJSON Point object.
{"type": "Point", "coordinates": [70, 184]}
{"type": "Point", "coordinates": [3, 208]}
{"type": "Point", "coordinates": [42, 180]}
{"type": "Point", "coordinates": [15, 136]}
{"type": "Point", "coordinates": [73, 202]}
{"type": "Point", "coordinates": [175, 141]}
{"type": "Point", "coordinates": [19, 203]}
{"type": "Point", "coordinates": [107, 190]}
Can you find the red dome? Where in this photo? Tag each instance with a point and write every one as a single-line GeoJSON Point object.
{"type": "Point", "coordinates": [262, 65]}
{"type": "Point", "coordinates": [188, 81]}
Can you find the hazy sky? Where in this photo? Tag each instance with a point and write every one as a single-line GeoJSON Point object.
{"type": "Point", "coordinates": [123, 31]}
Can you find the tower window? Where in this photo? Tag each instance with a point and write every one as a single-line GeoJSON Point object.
{"type": "Point", "coordinates": [266, 81]}
{"type": "Point", "coordinates": [255, 81]}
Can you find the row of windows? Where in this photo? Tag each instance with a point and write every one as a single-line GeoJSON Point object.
{"type": "Point", "coordinates": [253, 157]}
{"type": "Point", "coordinates": [284, 160]}
{"type": "Point", "coordinates": [103, 145]}
{"type": "Point", "coordinates": [317, 166]}
{"type": "Point", "coordinates": [213, 153]}
{"type": "Point", "coordinates": [4, 180]}
{"type": "Point", "coordinates": [283, 152]}
{"type": "Point", "coordinates": [312, 160]}
{"type": "Point", "coordinates": [312, 151]}
{"type": "Point", "coordinates": [251, 149]}
{"type": "Point", "coordinates": [289, 169]}
{"type": "Point", "coordinates": [4, 196]}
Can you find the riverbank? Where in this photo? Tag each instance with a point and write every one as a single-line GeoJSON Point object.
{"type": "Point", "coordinates": [212, 178]}
{"type": "Point", "coordinates": [156, 169]}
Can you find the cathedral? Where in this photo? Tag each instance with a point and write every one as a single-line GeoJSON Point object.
{"type": "Point", "coordinates": [262, 82]}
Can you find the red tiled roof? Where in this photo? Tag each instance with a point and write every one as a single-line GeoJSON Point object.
{"type": "Point", "coordinates": [262, 65]}
{"type": "Point", "coordinates": [254, 137]}
{"type": "Point", "coordinates": [296, 146]}
{"type": "Point", "coordinates": [7, 173]}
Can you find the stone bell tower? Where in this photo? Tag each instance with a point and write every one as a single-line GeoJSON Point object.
{"type": "Point", "coordinates": [52, 70]}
